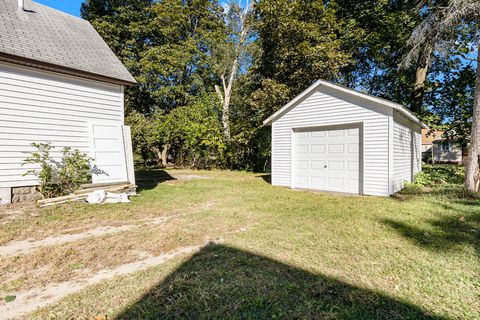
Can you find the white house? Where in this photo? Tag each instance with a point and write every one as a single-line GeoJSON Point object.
{"type": "Point", "coordinates": [61, 84]}
{"type": "Point", "coordinates": [336, 139]}
{"type": "Point", "coordinates": [441, 147]}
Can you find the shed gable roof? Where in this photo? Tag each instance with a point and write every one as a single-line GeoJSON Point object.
{"type": "Point", "coordinates": [318, 84]}
{"type": "Point", "coordinates": [50, 37]}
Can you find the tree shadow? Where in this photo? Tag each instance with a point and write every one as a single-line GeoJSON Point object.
{"type": "Point", "coordinates": [221, 282]}
{"type": "Point", "coordinates": [150, 179]}
{"type": "Point", "coordinates": [267, 177]}
{"type": "Point", "coordinates": [445, 233]}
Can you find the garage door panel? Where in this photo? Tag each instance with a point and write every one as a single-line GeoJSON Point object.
{"type": "Point", "coordinates": [301, 164]}
{"type": "Point", "coordinates": [302, 149]}
{"type": "Point", "coordinates": [317, 134]}
{"type": "Point", "coordinates": [336, 149]}
{"type": "Point", "coordinates": [317, 164]}
{"type": "Point", "coordinates": [318, 148]}
{"type": "Point", "coordinates": [336, 165]}
{"type": "Point", "coordinates": [327, 160]}
{"type": "Point", "coordinates": [335, 133]}
{"type": "Point", "coordinates": [336, 183]}
{"type": "Point", "coordinates": [352, 166]}
{"type": "Point", "coordinates": [352, 184]}
{"type": "Point", "coordinates": [302, 181]}
{"type": "Point", "coordinates": [353, 132]}
{"type": "Point", "coordinates": [318, 182]}
{"type": "Point", "coordinates": [352, 148]}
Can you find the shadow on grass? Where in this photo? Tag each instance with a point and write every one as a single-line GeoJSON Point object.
{"type": "Point", "coordinates": [221, 282]}
{"type": "Point", "coordinates": [149, 179]}
{"type": "Point", "coordinates": [445, 233]}
{"type": "Point", "coordinates": [267, 177]}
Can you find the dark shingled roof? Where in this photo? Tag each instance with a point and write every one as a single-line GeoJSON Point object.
{"type": "Point", "coordinates": [55, 38]}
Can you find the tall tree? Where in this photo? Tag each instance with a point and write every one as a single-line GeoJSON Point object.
{"type": "Point", "coordinates": [450, 23]}
{"type": "Point", "coordinates": [166, 45]}
{"type": "Point", "coordinates": [472, 177]}
{"type": "Point", "coordinates": [375, 32]}
{"type": "Point", "coordinates": [420, 53]}
{"type": "Point", "coordinates": [451, 97]}
{"type": "Point", "coordinates": [231, 56]}
{"type": "Point", "coordinates": [299, 43]}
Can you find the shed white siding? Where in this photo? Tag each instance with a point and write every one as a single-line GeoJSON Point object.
{"type": "Point", "coordinates": [38, 106]}
{"type": "Point", "coordinates": [326, 107]}
{"type": "Point", "coordinates": [407, 153]}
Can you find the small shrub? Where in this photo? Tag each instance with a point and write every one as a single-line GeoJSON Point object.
{"type": "Point", "coordinates": [435, 175]}
{"type": "Point", "coordinates": [57, 178]}
{"type": "Point", "coordinates": [441, 180]}
{"type": "Point", "coordinates": [412, 189]}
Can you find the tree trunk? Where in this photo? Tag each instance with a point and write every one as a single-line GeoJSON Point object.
{"type": "Point", "coordinates": [420, 78]}
{"type": "Point", "coordinates": [472, 170]}
{"type": "Point", "coordinates": [164, 155]}
{"type": "Point", "coordinates": [227, 84]}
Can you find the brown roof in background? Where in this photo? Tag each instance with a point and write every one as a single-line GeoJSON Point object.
{"type": "Point", "coordinates": [429, 136]}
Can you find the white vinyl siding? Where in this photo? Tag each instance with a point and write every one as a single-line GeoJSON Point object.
{"type": "Point", "coordinates": [326, 107]}
{"type": "Point", "coordinates": [417, 149]}
{"type": "Point", "coordinates": [39, 106]}
{"type": "Point", "coordinates": [406, 151]}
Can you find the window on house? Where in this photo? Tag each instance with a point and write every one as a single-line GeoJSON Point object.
{"type": "Point", "coordinates": [446, 146]}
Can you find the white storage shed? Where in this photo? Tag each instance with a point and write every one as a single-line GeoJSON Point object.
{"type": "Point", "coordinates": [332, 138]}
{"type": "Point", "coordinates": [60, 84]}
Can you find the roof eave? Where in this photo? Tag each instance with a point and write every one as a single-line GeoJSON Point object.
{"type": "Point", "coordinates": [384, 102]}
{"type": "Point", "coordinates": [5, 57]}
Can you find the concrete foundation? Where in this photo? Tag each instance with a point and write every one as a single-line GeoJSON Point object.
{"type": "Point", "coordinates": [5, 195]}
{"type": "Point", "coordinates": [25, 194]}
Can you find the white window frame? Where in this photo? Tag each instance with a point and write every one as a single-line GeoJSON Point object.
{"type": "Point", "coordinates": [446, 146]}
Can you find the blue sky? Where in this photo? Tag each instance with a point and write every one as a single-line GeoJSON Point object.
{"type": "Point", "coordinates": [69, 6]}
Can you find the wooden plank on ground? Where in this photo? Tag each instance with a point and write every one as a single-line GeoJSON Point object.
{"type": "Point", "coordinates": [104, 184]}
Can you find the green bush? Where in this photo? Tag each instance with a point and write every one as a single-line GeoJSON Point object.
{"type": "Point", "coordinates": [57, 178]}
{"type": "Point", "coordinates": [438, 174]}
{"type": "Point", "coordinates": [441, 180]}
{"type": "Point", "coordinates": [194, 134]}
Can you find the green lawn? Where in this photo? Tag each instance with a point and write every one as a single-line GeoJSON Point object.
{"type": "Point", "coordinates": [273, 252]}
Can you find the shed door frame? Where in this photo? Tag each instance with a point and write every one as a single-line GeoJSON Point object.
{"type": "Point", "coordinates": [346, 125]}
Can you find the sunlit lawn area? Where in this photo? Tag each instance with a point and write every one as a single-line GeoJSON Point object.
{"type": "Point", "coordinates": [264, 252]}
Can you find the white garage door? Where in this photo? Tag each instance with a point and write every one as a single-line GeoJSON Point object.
{"type": "Point", "coordinates": [327, 159]}
{"type": "Point", "coordinates": [108, 153]}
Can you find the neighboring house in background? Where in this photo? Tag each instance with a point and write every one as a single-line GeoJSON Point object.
{"type": "Point", "coordinates": [337, 139]}
{"type": "Point", "coordinates": [61, 84]}
{"type": "Point", "coordinates": [438, 146]}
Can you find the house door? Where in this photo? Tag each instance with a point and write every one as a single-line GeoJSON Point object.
{"type": "Point", "coordinates": [108, 152]}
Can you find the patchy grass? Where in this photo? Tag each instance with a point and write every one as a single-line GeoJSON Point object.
{"type": "Point", "coordinates": [301, 255]}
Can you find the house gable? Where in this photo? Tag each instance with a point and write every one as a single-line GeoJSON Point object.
{"type": "Point", "coordinates": [346, 94]}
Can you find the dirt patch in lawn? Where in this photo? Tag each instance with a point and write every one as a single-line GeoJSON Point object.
{"type": "Point", "coordinates": [16, 211]}
{"type": "Point", "coordinates": [29, 245]}
{"type": "Point", "coordinates": [65, 257]}
{"type": "Point", "coordinates": [30, 300]}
